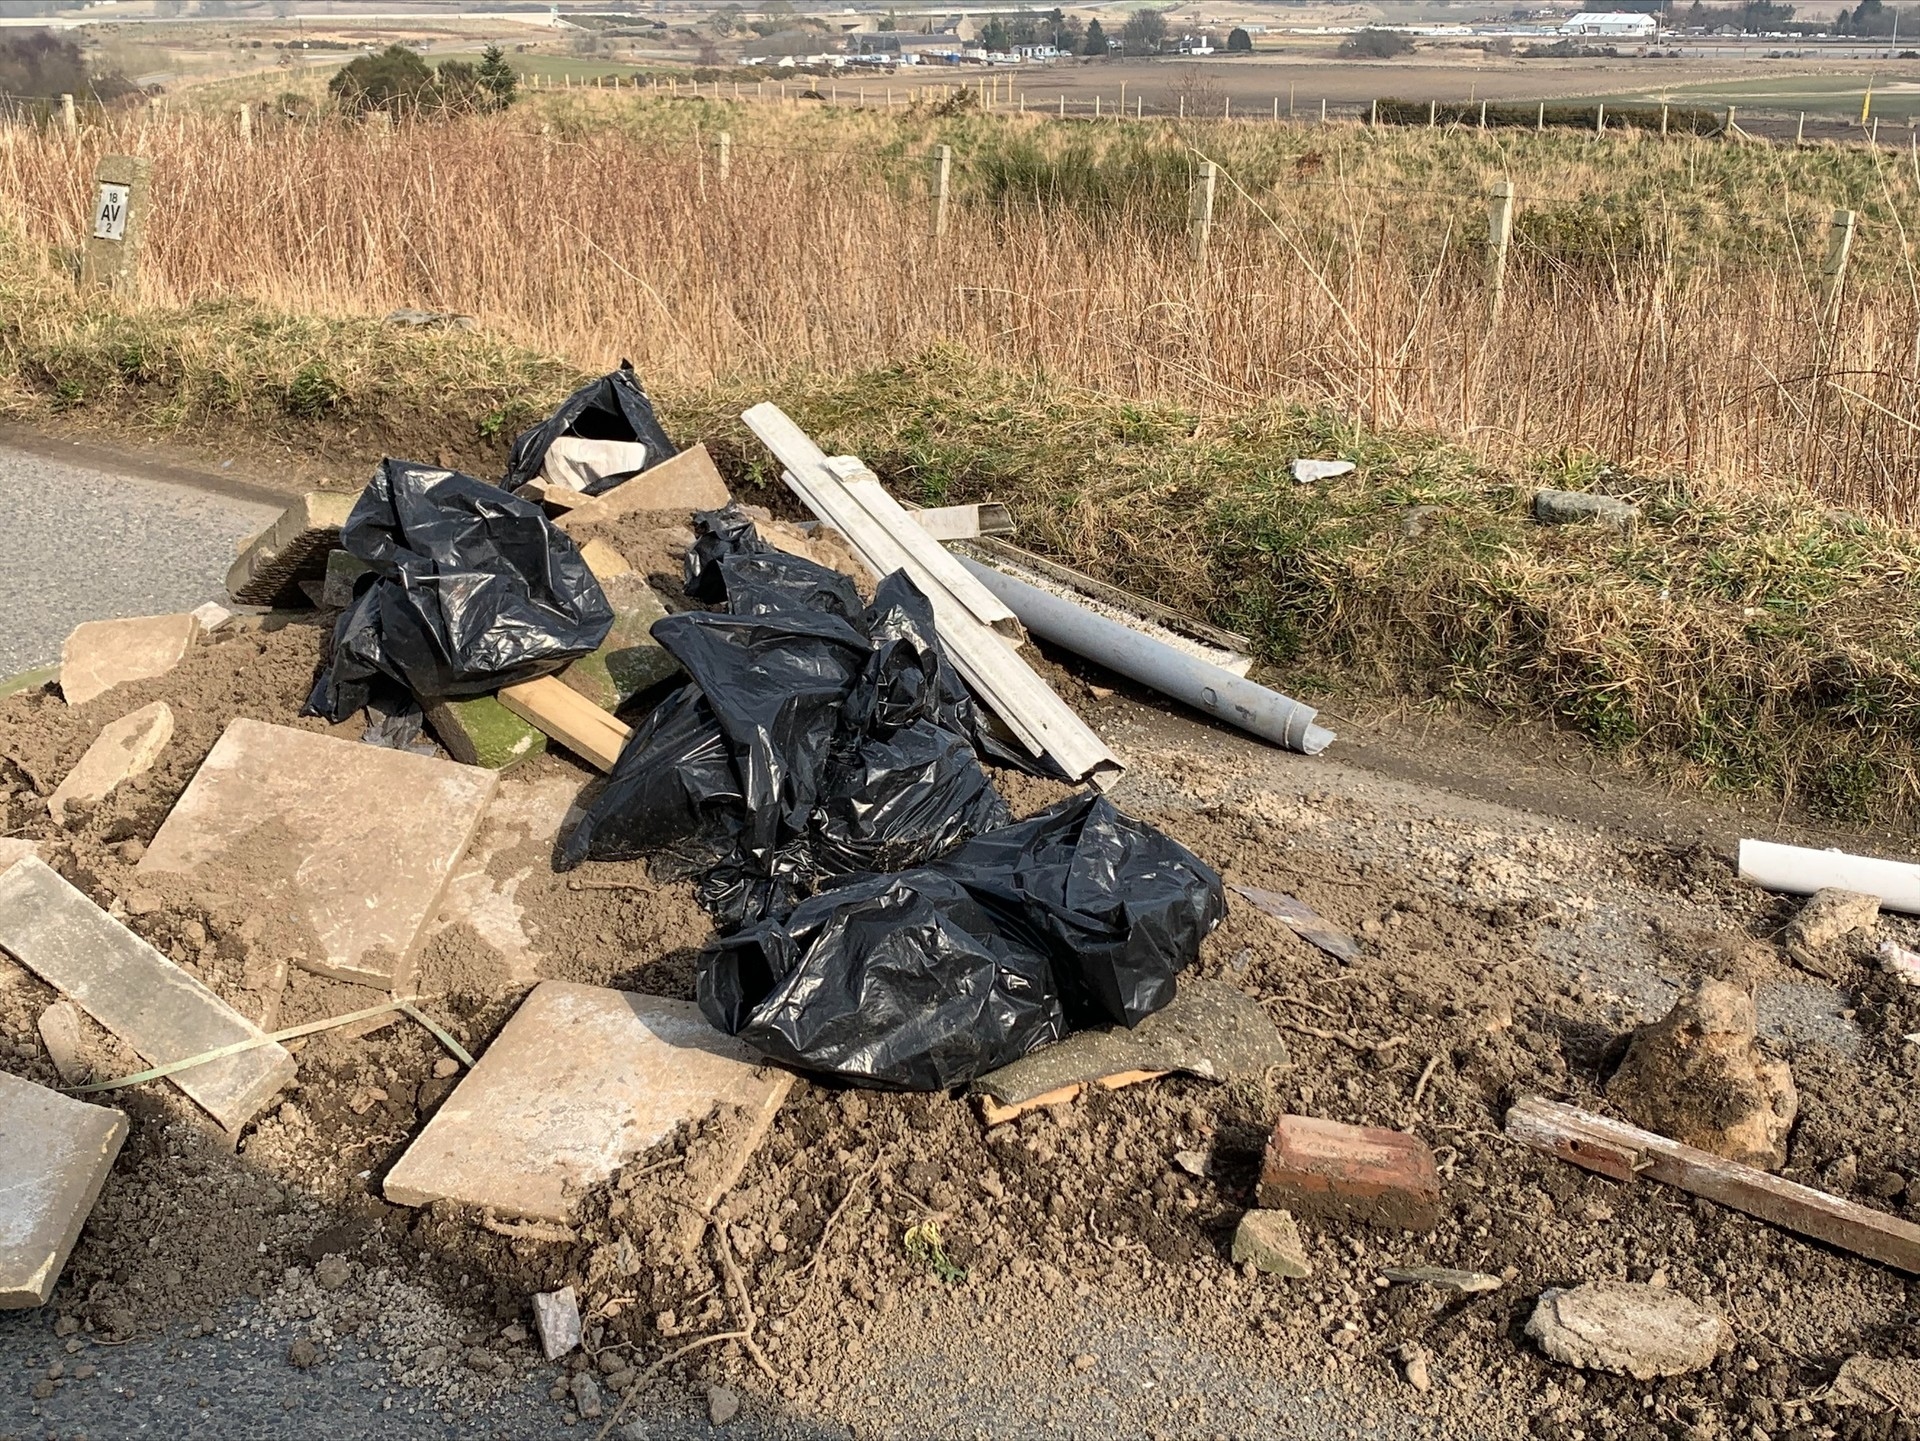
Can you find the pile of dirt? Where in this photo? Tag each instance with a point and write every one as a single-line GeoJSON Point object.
{"type": "Point", "coordinates": [890, 1264]}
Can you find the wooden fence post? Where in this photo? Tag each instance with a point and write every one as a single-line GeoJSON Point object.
{"type": "Point", "coordinates": [942, 168]}
{"type": "Point", "coordinates": [112, 257]}
{"type": "Point", "coordinates": [1323, 110]}
{"type": "Point", "coordinates": [1600, 119]}
{"type": "Point", "coordinates": [1226, 107]}
{"type": "Point", "coordinates": [1663, 120]}
{"type": "Point", "coordinates": [1433, 113]}
{"type": "Point", "coordinates": [246, 125]}
{"type": "Point", "coordinates": [1373, 115]}
{"type": "Point", "coordinates": [1540, 120]}
{"type": "Point", "coordinates": [1200, 209]}
{"type": "Point", "coordinates": [1483, 115]}
{"type": "Point", "coordinates": [1800, 129]}
{"type": "Point", "coordinates": [1833, 275]}
{"type": "Point", "coordinates": [723, 159]}
{"type": "Point", "coordinates": [1499, 236]}
{"type": "Point", "coordinates": [69, 120]}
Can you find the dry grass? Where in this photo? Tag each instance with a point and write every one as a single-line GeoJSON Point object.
{"type": "Point", "coordinates": [1659, 312]}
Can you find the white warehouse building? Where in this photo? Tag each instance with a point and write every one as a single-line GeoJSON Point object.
{"type": "Point", "coordinates": [1618, 24]}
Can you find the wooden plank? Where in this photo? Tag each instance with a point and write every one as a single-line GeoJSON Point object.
{"type": "Point", "coordinates": [568, 717]}
{"type": "Point", "coordinates": [1622, 1152]}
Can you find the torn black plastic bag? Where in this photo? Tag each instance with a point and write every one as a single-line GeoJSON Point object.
{"type": "Point", "coordinates": [902, 981]}
{"type": "Point", "coordinates": [902, 799]}
{"type": "Point", "coordinates": [614, 407]}
{"type": "Point", "coordinates": [473, 590]}
{"type": "Point", "coordinates": [1121, 906]}
{"type": "Point", "coordinates": [728, 561]}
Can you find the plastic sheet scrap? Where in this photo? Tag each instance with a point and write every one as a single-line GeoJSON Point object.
{"type": "Point", "coordinates": [472, 590]}
{"type": "Point", "coordinates": [614, 407]}
{"type": "Point", "coordinates": [931, 977]}
{"type": "Point", "coordinates": [818, 737]}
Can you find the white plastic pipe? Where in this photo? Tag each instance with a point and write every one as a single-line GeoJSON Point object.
{"type": "Point", "coordinates": [1221, 693]}
{"type": "Point", "coordinates": [1800, 872]}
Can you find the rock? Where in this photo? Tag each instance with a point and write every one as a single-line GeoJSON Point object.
{"type": "Point", "coordinates": [1443, 1278]}
{"type": "Point", "coordinates": [1577, 507]}
{"type": "Point", "coordinates": [444, 1067]}
{"type": "Point", "coordinates": [1887, 1185]}
{"type": "Point", "coordinates": [1698, 1075]}
{"type": "Point", "coordinates": [1830, 916]}
{"type": "Point", "coordinates": [1271, 1240]}
{"type": "Point", "coordinates": [1870, 1381]}
{"type": "Point", "coordinates": [1194, 1163]}
{"type": "Point", "coordinates": [126, 748]}
{"type": "Point", "coordinates": [586, 1396]}
{"type": "Point", "coordinates": [1306, 472]}
{"type": "Point", "coordinates": [723, 1404]}
{"type": "Point", "coordinates": [102, 654]}
{"type": "Point", "coordinates": [332, 1272]}
{"type": "Point", "coordinates": [1631, 1330]}
{"type": "Point", "coordinates": [60, 1033]}
{"type": "Point", "coordinates": [556, 1316]}
{"type": "Point", "coordinates": [1413, 1360]}
{"type": "Point", "coordinates": [55, 1153]}
{"type": "Point", "coordinates": [1085, 1361]}
{"type": "Point", "coordinates": [303, 1353]}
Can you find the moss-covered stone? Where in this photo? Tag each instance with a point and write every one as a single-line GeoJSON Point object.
{"type": "Point", "coordinates": [479, 731]}
{"type": "Point", "coordinates": [630, 659]}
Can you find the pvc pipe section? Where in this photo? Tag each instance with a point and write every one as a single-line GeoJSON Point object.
{"type": "Point", "coordinates": [1119, 648]}
{"type": "Point", "coordinates": [1800, 871]}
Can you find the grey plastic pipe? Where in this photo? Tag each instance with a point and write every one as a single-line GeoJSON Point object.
{"type": "Point", "coordinates": [1254, 708]}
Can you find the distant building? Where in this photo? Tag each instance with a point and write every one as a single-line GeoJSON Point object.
{"type": "Point", "coordinates": [1614, 24]}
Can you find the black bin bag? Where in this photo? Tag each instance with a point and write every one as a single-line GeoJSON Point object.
{"type": "Point", "coordinates": [904, 982]}
{"type": "Point", "coordinates": [1120, 906]}
{"type": "Point", "coordinates": [473, 589]}
{"type": "Point", "coordinates": [614, 407]}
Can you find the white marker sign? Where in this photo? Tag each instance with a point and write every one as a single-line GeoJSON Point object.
{"type": "Point", "coordinates": [110, 212]}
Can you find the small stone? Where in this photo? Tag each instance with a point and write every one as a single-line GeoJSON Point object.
{"type": "Point", "coordinates": [1271, 1241]}
{"type": "Point", "coordinates": [1443, 1278]}
{"type": "Point", "coordinates": [1887, 1185]}
{"type": "Point", "coordinates": [634, 1431]}
{"type": "Point", "coordinates": [1575, 507]}
{"type": "Point", "coordinates": [1829, 917]}
{"type": "Point", "coordinates": [43, 1390]}
{"type": "Point", "coordinates": [1413, 1361]}
{"type": "Point", "coordinates": [556, 1315]}
{"type": "Point", "coordinates": [1628, 1329]}
{"type": "Point", "coordinates": [723, 1404]}
{"type": "Point", "coordinates": [444, 1067]}
{"type": "Point", "coordinates": [1085, 1361]}
{"type": "Point", "coordinates": [83, 1372]}
{"type": "Point", "coordinates": [1194, 1163]}
{"type": "Point", "coordinates": [332, 1272]}
{"type": "Point", "coordinates": [66, 1326]}
{"type": "Point", "coordinates": [303, 1353]}
{"type": "Point", "coordinates": [131, 851]}
{"type": "Point", "coordinates": [586, 1396]}
{"type": "Point", "coordinates": [619, 1381]}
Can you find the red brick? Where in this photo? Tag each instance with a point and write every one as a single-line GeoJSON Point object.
{"type": "Point", "coordinates": [1358, 1173]}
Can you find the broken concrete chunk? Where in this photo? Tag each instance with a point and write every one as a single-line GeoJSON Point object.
{"type": "Point", "coordinates": [687, 482]}
{"type": "Point", "coordinates": [55, 1153]}
{"type": "Point", "coordinates": [575, 463]}
{"type": "Point", "coordinates": [1698, 1075]}
{"type": "Point", "coordinates": [294, 548]}
{"type": "Point", "coordinates": [60, 1033]}
{"type": "Point", "coordinates": [125, 748]}
{"type": "Point", "coordinates": [556, 1316]}
{"type": "Point", "coordinates": [1829, 918]}
{"type": "Point", "coordinates": [211, 615]}
{"type": "Point", "coordinates": [1443, 1278]}
{"type": "Point", "coordinates": [102, 654]}
{"type": "Point", "coordinates": [629, 660]}
{"type": "Point", "coordinates": [586, 1396]}
{"type": "Point", "coordinates": [1209, 1029]}
{"type": "Point", "coordinates": [137, 993]}
{"type": "Point", "coordinates": [1360, 1173]}
{"type": "Point", "coordinates": [1880, 1385]}
{"type": "Point", "coordinates": [1306, 472]}
{"type": "Point", "coordinates": [365, 838]}
{"type": "Point", "coordinates": [1577, 507]}
{"type": "Point", "coordinates": [1896, 960]}
{"type": "Point", "coordinates": [1271, 1240]}
{"type": "Point", "coordinates": [1629, 1329]}
{"type": "Point", "coordinates": [479, 731]}
{"type": "Point", "coordinates": [336, 583]}
{"type": "Point", "coordinates": [604, 561]}
{"type": "Point", "coordinates": [577, 1083]}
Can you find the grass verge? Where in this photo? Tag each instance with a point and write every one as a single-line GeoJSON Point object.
{"type": "Point", "coordinates": [1756, 645]}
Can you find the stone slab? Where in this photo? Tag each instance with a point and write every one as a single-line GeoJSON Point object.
{"type": "Point", "coordinates": [629, 660]}
{"type": "Point", "coordinates": [1209, 1029]}
{"type": "Point", "coordinates": [336, 585]}
{"type": "Point", "coordinates": [124, 748]}
{"type": "Point", "coordinates": [101, 654]}
{"type": "Point", "coordinates": [479, 731]}
{"type": "Point", "coordinates": [687, 482]}
{"type": "Point", "coordinates": [136, 993]}
{"type": "Point", "coordinates": [14, 848]}
{"type": "Point", "coordinates": [55, 1153]}
{"type": "Point", "coordinates": [1356, 1173]}
{"type": "Point", "coordinates": [358, 840]}
{"type": "Point", "coordinates": [515, 839]}
{"type": "Point", "coordinates": [294, 548]}
{"type": "Point", "coordinates": [580, 1080]}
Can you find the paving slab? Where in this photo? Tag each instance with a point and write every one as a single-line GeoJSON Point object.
{"type": "Point", "coordinates": [124, 748]}
{"type": "Point", "coordinates": [479, 731]}
{"type": "Point", "coordinates": [580, 1081]}
{"type": "Point", "coordinates": [629, 660]}
{"type": "Point", "coordinates": [358, 840]}
{"type": "Point", "coordinates": [687, 482]}
{"type": "Point", "coordinates": [14, 848]}
{"type": "Point", "coordinates": [101, 654]}
{"type": "Point", "coordinates": [514, 840]}
{"type": "Point", "coordinates": [136, 993]}
{"type": "Point", "coordinates": [294, 548]}
{"type": "Point", "coordinates": [55, 1153]}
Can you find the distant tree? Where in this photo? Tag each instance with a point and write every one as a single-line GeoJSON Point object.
{"type": "Point", "coordinates": [888, 23]}
{"type": "Point", "coordinates": [1143, 32]}
{"type": "Point", "coordinates": [1376, 45]}
{"type": "Point", "coordinates": [1238, 41]}
{"type": "Point", "coordinates": [497, 76]}
{"type": "Point", "coordinates": [1096, 42]}
{"type": "Point", "coordinates": [395, 80]}
{"type": "Point", "coordinates": [33, 62]}
{"type": "Point", "coordinates": [993, 35]}
{"type": "Point", "coordinates": [1068, 32]}
{"type": "Point", "coordinates": [457, 88]}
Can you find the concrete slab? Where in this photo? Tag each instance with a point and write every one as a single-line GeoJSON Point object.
{"type": "Point", "coordinates": [294, 548]}
{"type": "Point", "coordinates": [687, 482]}
{"type": "Point", "coordinates": [55, 1153]}
{"type": "Point", "coordinates": [137, 993]}
{"type": "Point", "coordinates": [358, 840]}
{"type": "Point", "coordinates": [580, 1081]}
{"type": "Point", "coordinates": [102, 654]}
{"type": "Point", "coordinates": [13, 848]}
{"type": "Point", "coordinates": [479, 731]}
{"type": "Point", "coordinates": [483, 892]}
{"type": "Point", "coordinates": [629, 660]}
{"type": "Point", "coordinates": [123, 749]}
